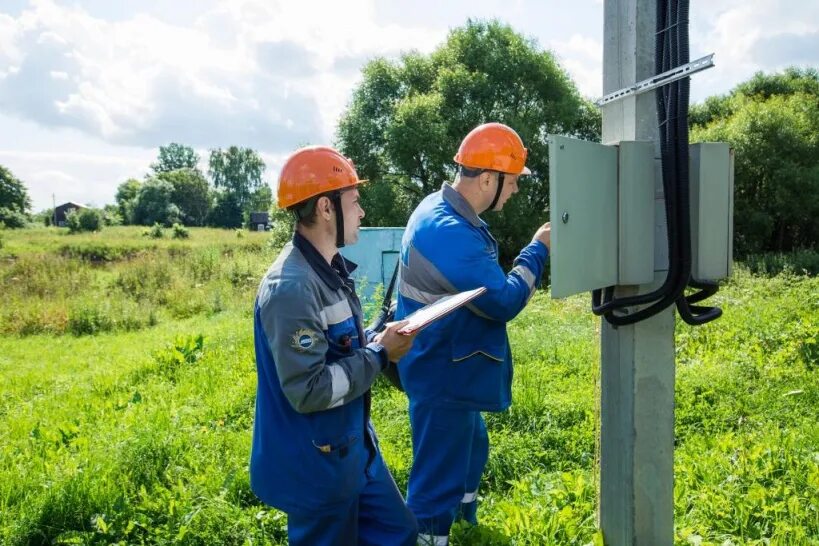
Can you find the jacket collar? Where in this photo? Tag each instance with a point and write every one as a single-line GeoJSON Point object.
{"type": "Point", "coordinates": [333, 274]}
{"type": "Point", "coordinates": [460, 204]}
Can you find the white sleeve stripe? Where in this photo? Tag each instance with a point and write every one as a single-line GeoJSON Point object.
{"type": "Point", "coordinates": [341, 385]}
{"type": "Point", "coordinates": [421, 296]}
{"type": "Point", "coordinates": [526, 274]}
{"type": "Point", "coordinates": [433, 540]}
{"type": "Point", "coordinates": [338, 312]}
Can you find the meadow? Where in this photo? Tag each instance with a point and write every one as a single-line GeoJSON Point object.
{"type": "Point", "coordinates": [128, 385]}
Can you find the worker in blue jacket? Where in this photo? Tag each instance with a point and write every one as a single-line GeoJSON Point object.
{"type": "Point", "coordinates": [315, 455]}
{"type": "Point", "coordinates": [462, 364]}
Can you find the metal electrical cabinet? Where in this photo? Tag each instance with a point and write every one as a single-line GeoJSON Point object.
{"type": "Point", "coordinates": [712, 204]}
{"type": "Point", "coordinates": [602, 214]}
{"type": "Point", "coordinates": [602, 201]}
{"type": "Point", "coordinates": [583, 215]}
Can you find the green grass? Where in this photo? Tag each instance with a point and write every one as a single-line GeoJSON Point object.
{"type": "Point", "coordinates": [120, 241]}
{"type": "Point", "coordinates": [118, 434]}
{"type": "Point", "coordinates": [118, 280]}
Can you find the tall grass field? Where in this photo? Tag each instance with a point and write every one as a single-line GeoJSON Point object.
{"type": "Point", "coordinates": [127, 386]}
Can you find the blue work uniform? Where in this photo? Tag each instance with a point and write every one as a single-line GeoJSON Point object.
{"type": "Point", "coordinates": [315, 454]}
{"type": "Point", "coordinates": [461, 364]}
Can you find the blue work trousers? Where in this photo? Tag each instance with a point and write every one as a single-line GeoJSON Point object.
{"type": "Point", "coordinates": [377, 516]}
{"type": "Point", "coordinates": [450, 450]}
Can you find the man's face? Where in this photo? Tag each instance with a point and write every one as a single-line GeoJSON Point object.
{"type": "Point", "coordinates": [353, 213]}
{"type": "Point", "coordinates": [510, 187]}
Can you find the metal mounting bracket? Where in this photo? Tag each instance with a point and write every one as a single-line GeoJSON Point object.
{"type": "Point", "coordinates": [660, 79]}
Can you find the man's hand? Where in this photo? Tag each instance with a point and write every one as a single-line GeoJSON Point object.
{"type": "Point", "coordinates": [544, 235]}
{"type": "Point", "coordinates": [397, 345]}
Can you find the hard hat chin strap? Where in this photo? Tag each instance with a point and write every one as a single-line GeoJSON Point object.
{"type": "Point", "coordinates": [498, 192]}
{"type": "Point", "coordinates": [335, 198]}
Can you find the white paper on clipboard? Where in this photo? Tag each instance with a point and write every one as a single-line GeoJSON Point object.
{"type": "Point", "coordinates": [440, 308]}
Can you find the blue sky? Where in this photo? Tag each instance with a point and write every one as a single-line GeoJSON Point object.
{"type": "Point", "coordinates": [89, 89]}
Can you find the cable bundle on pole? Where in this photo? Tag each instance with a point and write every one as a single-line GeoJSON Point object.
{"type": "Point", "coordinates": [671, 50]}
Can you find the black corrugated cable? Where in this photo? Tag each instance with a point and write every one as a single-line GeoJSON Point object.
{"type": "Point", "coordinates": [667, 97]}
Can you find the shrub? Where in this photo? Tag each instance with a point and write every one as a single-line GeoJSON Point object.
{"type": "Point", "coordinates": [12, 219]}
{"type": "Point", "coordinates": [180, 232]}
{"type": "Point", "coordinates": [112, 217]}
{"type": "Point", "coordinates": [154, 232]}
{"type": "Point", "coordinates": [84, 220]}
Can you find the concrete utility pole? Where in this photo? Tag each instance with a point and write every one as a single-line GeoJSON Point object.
{"type": "Point", "coordinates": [637, 362]}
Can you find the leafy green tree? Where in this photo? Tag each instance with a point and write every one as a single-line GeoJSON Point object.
{"type": "Point", "coordinates": [760, 87]}
{"type": "Point", "coordinates": [772, 123]}
{"type": "Point", "coordinates": [126, 198]}
{"type": "Point", "coordinates": [191, 194]}
{"type": "Point", "coordinates": [14, 200]}
{"type": "Point", "coordinates": [238, 172]}
{"type": "Point", "coordinates": [261, 200]}
{"type": "Point", "coordinates": [226, 211]}
{"type": "Point", "coordinates": [407, 119]}
{"type": "Point", "coordinates": [111, 215]}
{"type": "Point", "coordinates": [154, 204]}
{"type": "Point", "coordinates": [173, 157]}
{"type": "Point", "coordinates": [13, 219]}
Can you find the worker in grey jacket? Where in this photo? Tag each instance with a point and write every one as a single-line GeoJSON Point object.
{"type": "Point", "coordinates": [315, 455]}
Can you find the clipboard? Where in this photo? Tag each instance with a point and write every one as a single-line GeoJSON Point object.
{"type": "Point", "coordinates": [432, 312]}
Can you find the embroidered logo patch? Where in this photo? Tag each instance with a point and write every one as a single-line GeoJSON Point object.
{"type": "Point", "coordinates": [303, 339]}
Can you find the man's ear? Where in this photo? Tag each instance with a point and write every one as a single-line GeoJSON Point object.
{"type": "Point", "coordinates": [324, 207]}
{"type": "Point", "coordinates": [485, 180]}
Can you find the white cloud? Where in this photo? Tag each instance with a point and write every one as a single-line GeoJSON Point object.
{"type": "Point", "coordinates": [582, 57]}
{"type": "Point", "coordinates": [254, 72]}
{"type": "Point", "coordinates": [741, 33]}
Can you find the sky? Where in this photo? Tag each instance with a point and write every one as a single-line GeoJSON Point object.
{"type": "Point", "coordinates": [89, 89]}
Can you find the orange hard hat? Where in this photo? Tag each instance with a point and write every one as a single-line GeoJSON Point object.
{"type": "Point", "coordinates": [312, 171]}
{"type": "Point", "coordinates": [495, 147]}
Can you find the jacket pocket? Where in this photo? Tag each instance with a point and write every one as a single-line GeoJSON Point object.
{"type": "Point", "coordinates": [336, 467]}
{"type": "Point", "coordinates": [340, 444]}
{"type": "Point", "coordinates": [342, 339]}
{"type": "Point", "coordinates": [479, 375]}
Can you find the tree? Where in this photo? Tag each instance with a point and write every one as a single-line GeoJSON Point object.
{"type": "Point", "coordinates": [154, 203]}
{"type": "Point", "coordinates": [261, 200]}
{"type": "Point", "coordinates": [238, 172]}
{"type": "Point", "coordinates": [191, 194]}
{"type": "Point", "coordinates": [406, 120]}
{"type": "Point", "coordinates": [760, 87]}
{"type": "Point", "coordinates": [14, 200]}
{"type": "Point", "coordinates": [772, 123]}
{"type": "Point", "coordinates": [111, 215]}
{"type": "Point", "coordinates": [226, 212]}
{"type": "Point", "coordinates": [126, 198]}
{"type": "Point", "coordinates": [173, 157]}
